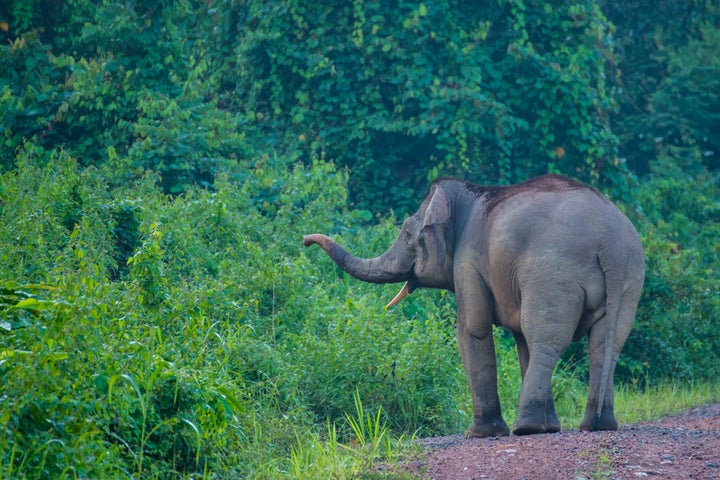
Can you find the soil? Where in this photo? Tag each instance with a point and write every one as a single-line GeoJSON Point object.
{"type": "Point", "coordinates": [684, 446]}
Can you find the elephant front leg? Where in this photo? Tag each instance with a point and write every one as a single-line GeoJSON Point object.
{"type": "Point", "coordinates": [478, 354]}
{"type": "Point", "coordinates": [477, 349]}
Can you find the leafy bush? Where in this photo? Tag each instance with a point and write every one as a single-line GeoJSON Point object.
{"type": "Point", "coordinates": [409, 366]}
{"type": "Point", "coordinates": [403, 92]}
{"type": "Point", "coordinates": [398, 92]}
{"type": "Point", "coordinates": [667, 53]}
{"type": "Point", "coordinates": [138, 81]}
{"type": "Point", "coordinates": [676, 335]}
{"type": "Point", "coordinates": [216, 342]}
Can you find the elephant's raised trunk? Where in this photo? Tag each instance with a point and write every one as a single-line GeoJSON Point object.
{"type": "Point", "coordinates": [390, 267]}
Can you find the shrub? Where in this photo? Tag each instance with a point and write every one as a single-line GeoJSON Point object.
{"type": "Point", "coordinates": [675, 335]}
{"type": "Point", "coordinates": [401, 92]}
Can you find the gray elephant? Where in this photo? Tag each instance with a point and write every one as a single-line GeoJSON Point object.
{"type": "Point", "coordinates": [549, 259]}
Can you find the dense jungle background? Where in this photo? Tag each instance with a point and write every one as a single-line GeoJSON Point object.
{"type": "Point", "coordinates": [161, 160]}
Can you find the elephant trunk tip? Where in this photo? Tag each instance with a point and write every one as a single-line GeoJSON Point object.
{"type": "Point", "coordinates": [312, 239]}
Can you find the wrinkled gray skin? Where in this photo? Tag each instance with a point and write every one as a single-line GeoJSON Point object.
{"type": "Point", "coordinates": [549, 259]}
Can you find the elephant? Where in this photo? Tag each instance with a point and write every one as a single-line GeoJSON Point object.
{"type": "Point", "coordinates": [550, 259]}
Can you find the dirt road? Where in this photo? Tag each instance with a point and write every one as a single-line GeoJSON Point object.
{"type": "Point", "coordinates": [684, 446]}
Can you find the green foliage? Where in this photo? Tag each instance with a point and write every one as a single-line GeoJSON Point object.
{"type": "Point", "coordinates": [667, 124]}
{"type": "Point", "coordinates": [193, 360]}
{"type": "Point", "coordinates": [400, 92]}
{"type": "Point", "coordinates": [20, 304]}
{"type": "Point", "coordinates": [413, 368]}
{"type": "Point", "coordinates": [397, 92]}
{"type": "Point", "coordinates": [667, 53]}
{"type": "Point", "coordinates": [327, 457]}
{"type": "Point", "coordinates": [369, 430]}
{"type": "Point", "coordinates": [676, 335]}
{"type": "Point", "coordinates": [685, 106]}
{"type": "Point", "coordinates": [139, 81]}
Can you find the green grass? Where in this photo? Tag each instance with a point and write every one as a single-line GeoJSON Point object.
{"type": "Point", "coordinates": [370, 443]}
{"type": "Point", "coordinates": [634, 404]}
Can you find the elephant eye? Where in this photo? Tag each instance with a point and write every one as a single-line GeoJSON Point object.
{"type": "Point", "coordinates": [410, 238]}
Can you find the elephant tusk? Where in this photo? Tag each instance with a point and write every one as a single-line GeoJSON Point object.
{"type": "Point", "coordinates": [404, 292]}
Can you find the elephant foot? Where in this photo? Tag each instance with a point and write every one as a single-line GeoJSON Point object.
{"type": "Point", "coordinates": [592, 422]}
{"type": "Point", "coordinates": [493, 428]}
{"type": "Point", "coordinates": [537, 418]}
{"type": "Point", "coordinates": [531, 428]}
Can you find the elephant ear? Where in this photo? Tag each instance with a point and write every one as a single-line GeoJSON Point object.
{"type": "Point", "coordinates": [438, 210]}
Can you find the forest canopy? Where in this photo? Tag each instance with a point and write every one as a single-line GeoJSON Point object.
{"type": "Point", "coordinates": [161, 160]}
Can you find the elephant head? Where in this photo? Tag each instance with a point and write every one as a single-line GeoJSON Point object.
{"type": "Point", "coordinates": [420, 256]}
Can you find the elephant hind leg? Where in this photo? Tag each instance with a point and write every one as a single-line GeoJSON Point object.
{"type": "Point", "coordinates": [548, 325]}
{"type": "Point", "coordinates": [596, 346]}
{"type": "Point", "coordinates": [523, 352]}
{"type": "Point", "coordinates": [593, 423]}
{"type": "Point", "coordinates": [537, 408]}
{"type": "Point", "coordinates": [537, 417]}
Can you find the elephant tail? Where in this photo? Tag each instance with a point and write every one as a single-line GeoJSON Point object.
{"type": "Point", "coordinates": [613, 267]}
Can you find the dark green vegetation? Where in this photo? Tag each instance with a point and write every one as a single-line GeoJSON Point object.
{"type": "Point", "coordinates": [160, 162]}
